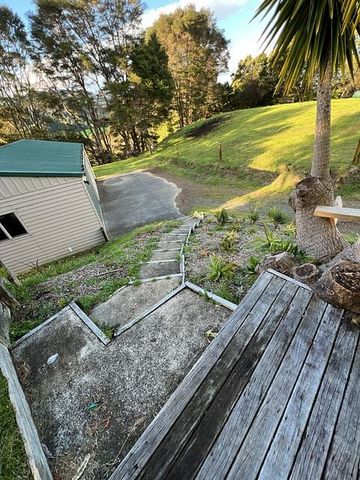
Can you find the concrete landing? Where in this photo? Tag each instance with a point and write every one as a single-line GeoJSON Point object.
{"type": "Point", "coordinates": [90, 402]}
{"type": "Point", "coordinates": [131, 301]}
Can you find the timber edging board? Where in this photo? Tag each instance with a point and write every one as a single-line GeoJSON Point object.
{"type": "Point", "coordinates": [35, 454]}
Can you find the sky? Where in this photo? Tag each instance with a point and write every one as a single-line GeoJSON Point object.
{"type": "Point", "coordinates": [233, 17]}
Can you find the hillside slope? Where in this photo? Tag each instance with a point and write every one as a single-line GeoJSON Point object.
{"type": "Point", "coordinates": [267, 147]}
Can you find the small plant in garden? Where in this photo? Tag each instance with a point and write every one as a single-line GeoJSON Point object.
{"type": "Point", "coordinates": [252, 264]}
{"type": "Point", "coordinates": [220, 268]}
{"type": "Point", "coordinates": [253, 215]}
{"type": "Point", "coordinates": [229, 242]}
{"type": "Point", "coordinates": [222, 217]}
{"type": "Point", "coordinates": [277, 216]}
{"type": "Point", "coordinates": [277, 245]}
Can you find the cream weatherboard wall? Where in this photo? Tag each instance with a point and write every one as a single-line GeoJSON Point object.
{"type": "Point", "coordinates": [58, 215]}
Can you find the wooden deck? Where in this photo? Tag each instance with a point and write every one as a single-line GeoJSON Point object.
{"type": "Point", "coordinates": [275, 396]}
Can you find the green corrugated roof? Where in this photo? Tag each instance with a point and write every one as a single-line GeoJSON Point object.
{"type": "Point", "coordinates": [39, 158]}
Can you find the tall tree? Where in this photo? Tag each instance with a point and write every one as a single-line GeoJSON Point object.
{"type": "Point", "coordinates": [24, 109]}
{"type": "Point", "coordinates": [142, 103]}
{"type": "Point", "coordinates": [81, 46]}
{"type": "Point", "coordinates": [197, 51]}
{"type": "Point", "coordinates": [319, 38]}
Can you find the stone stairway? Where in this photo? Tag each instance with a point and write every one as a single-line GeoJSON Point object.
{"type": "Point", "coordinates": [160, 276]}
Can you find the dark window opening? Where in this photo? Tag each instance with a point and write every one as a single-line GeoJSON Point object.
{"type": "Point", "coordinates": [12, 225]}
{"type": "Point", "coordinates": [3, 236]}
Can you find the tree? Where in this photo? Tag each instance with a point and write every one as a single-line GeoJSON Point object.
{"type": "Point", "coordinates": [142, 102]}
{"type": "Point", "coordinates": [24, 110]}
{"type": "Point", "coordinates": [82, 46]}
{"type": "Point", "coordinates": [256, 83]}
{"type": "Point", "coordinates": [318, 40]}
{"type": "Point", "coordinates": [197, 52]}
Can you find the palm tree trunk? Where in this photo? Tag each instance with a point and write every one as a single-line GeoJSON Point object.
{"type": "Point", "coordinates": [317, 236]}
{"type": "Point", "coordinates": [321, 160]}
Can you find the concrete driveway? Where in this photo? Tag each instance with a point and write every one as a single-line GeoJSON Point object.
{"type": "Point", "coordinates": [135, 199]}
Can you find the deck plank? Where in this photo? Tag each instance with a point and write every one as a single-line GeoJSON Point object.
{"type": "Point", "coordinates": [280, 457]}
{"type": "Point", "coordinates": [311, 457]}
{"type": "Point", "coordinates": [165, 455]}
{"type": "Point", "coordinates": [343, 460]}
{"type": "Point", "coordinates": [287, 308]}
{"type": "Point", "coordinates": [142, 451]}
{"type": "Point", "coordinates": [229, 441]}
{"type": "Point", "coordinates": [311, 356]}
{"type": "Point", "coordinates": [207, 412]}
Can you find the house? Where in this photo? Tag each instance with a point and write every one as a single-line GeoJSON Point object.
{"type": "Point", "coordinates": [49, 203]}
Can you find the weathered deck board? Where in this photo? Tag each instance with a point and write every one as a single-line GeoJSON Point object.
{"type": "Point", "coordinates": [240, 359]}
{"type": "Point", "coordinates": [229, 441]}
{"type": "Point", "coordinates": [273, 397]}
{"type": "Point", "coordinates": [310, 461]}
{"type": "Point", "coordinates": [157, 430]}
{"type": "Point", "coordinates": [343, 461]}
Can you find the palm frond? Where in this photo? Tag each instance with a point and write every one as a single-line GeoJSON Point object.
{"type": "Point", "coordinates": [311, 33]}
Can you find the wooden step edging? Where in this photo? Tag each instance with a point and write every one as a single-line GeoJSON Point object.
{"type": "Point", "coordinates": [29, 434]}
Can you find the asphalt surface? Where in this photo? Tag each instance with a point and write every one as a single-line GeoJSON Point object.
{"type": "Point", "coordinates": [135, 199]}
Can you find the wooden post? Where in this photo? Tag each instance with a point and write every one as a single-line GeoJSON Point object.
{"type": "Point", "coordinates": [356, 159]}
{"type": "Point", "coordinates": [220, 152]}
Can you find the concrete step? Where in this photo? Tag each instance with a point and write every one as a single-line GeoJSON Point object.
{"type": "Point", "coordinates": [129, 302]}
{"type": "Point", "coordinates": [188, 310]}
{"type": "Point", "coordinates": [169, 244]}
{"type": "Point", "coordinates": [181, 237]}
{"type": "Point", "coordinates": [166, 255]}
{"type": "Point", "coordinates": [160, 269]}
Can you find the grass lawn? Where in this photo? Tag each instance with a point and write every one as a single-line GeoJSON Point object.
{"type": "Point", "coordinates": [13, 461]}
{"type": "Point", "coordinates": [264, 150]}
{"type": "Point", "coordinates": [88, 278]}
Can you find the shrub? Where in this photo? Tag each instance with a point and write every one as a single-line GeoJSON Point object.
{"type": "Point", "coordinates": [277, 216]}
{"type": "Point", "coordinates": [222, 217]}
{"type": "Point", "coordinates": [253, 216]}
{"type": "Point", "coordinates": [229, 242]}
{"type": "Point", "coordinates": [220, 268]}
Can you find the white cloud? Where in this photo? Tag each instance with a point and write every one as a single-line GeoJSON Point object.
{"type": "Point", "coordinates": [221, 8]}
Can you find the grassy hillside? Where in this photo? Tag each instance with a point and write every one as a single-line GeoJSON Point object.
{"type": "Point", "coordinates": [260, 146]}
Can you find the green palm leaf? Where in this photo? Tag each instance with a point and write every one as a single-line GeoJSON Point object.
{"type": "Point", "coordinates": [311, 33]}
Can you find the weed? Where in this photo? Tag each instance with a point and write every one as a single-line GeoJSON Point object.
{"type": "Point", "coordinates": [222, 217]}
{"type": "Point", "coordinates": [277, 216]}
{"type": "Point", "coordinates": [252, 264]}
{"type": "Point", "coordinates": [230, 241]}
{"type": "Point", "coordinates": [253, 216]}
{"type": "Point", "coordinates": [220, 268]}
{"type": "Point", "coordinates": [224, 291]}
{"type": "Point", "coordinates": [276, 245]}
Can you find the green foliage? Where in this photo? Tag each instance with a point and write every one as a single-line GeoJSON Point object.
{"type": "Point", "coordinates": [230, 241]}
{"type": "Point", "coordinates": [276, 245]}
{"type": "Point", "coordinates": [252, 264]}
{"type": "Point", "coordinates": [220, 268]}
{"type": "Point", "coordinates": [310, 36]}
{"type": "Point", "coordinates": [197, 51]}
{"type": "Point", "coordinates": [222, 217]}
{"type": "Point", "coordinates": [253, 215]}
{"type": "Point", "coordinates": [277, 216]}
